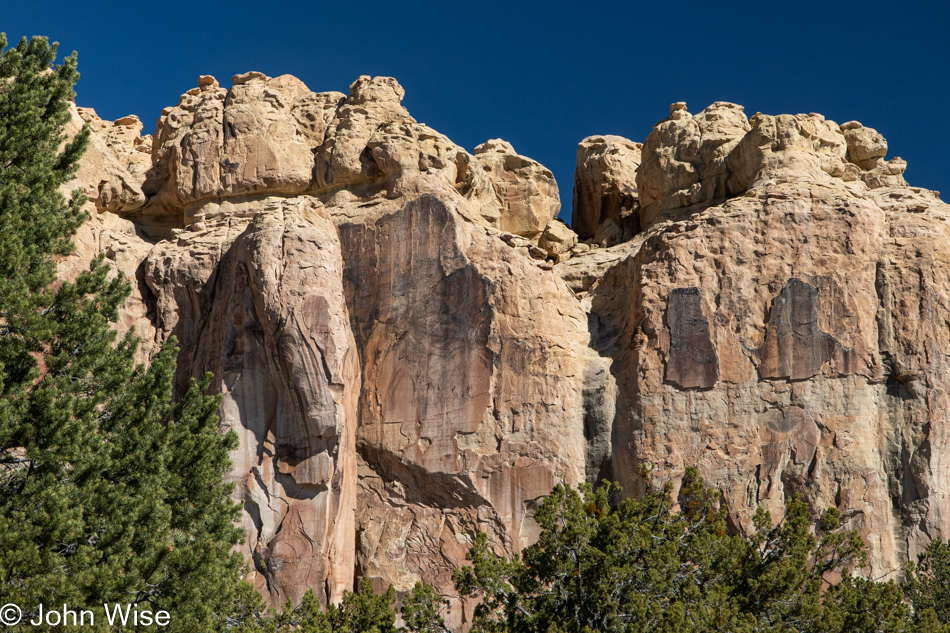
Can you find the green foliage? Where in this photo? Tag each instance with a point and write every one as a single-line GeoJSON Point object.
{"type": "Point", "coordinates": [360, 612]}
{"type": "Point", "coordinates": [928, 586]}
{"type": "Point", "coordinates": [647, 565]}
{"type": "Point", "coordinates": [364, 611]}
{"type": "Point", "coordinates": [109, 493]}
{"type": "Point", "coordinates": [420, 610]}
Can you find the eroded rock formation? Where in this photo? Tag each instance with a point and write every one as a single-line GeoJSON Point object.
{"type": "Point", "coordinates": [755, 328]}
{"type": "Point", "coordinates": [605, 186]}
{"type": "Point", "coordinates": [402, 364]}
{"type": "Point", "coordinates": [413, 349]}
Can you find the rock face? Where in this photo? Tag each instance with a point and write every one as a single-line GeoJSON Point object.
{"type": "Point", "coordinates": [433, 296]}
{"type": "Point", "coordinates": [605, 186]}
{"type": "Point", "coordinates": [333, 262]}
{"type": "Point", "coordinates": [780, 323]}
{"type": "Point", "coordinates": [692, 361]}
{"type": "Point", "coordinates": [413, 349]}
{"type": "Point", "coordinates": [277, 338]}
{"type": "Point", "coordinates": [114, 164]}
{"type": "Point", "coordinates": [526, 192]}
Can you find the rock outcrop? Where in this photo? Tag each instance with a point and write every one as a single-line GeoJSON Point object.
{"type": "Point", "coordinates": [414, 349]}
{"type": "Point", "coordinates": [526, 192]}
{"type": "Point", "coordinates": [113, 166]}
{"type": "Point", "coordinates": [755, 328]}
{"type": "Point", "coordinates": [605, 186]}
{"type": "Point", "coordinates": [400, 361]}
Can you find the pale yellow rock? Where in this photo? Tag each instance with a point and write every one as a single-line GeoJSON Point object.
{"type": "Point", "coordinates": [557, 238]}
{"type": "Point", "coordinates": [605, 184]}
{"type": "Point", "coordinates": [527, 192]}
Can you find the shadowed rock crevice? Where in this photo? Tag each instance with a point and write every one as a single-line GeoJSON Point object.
{"type": "Point", "coordinates": [417, 485]}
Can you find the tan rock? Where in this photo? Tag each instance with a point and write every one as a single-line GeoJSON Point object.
{"type": "Point", "coordinates": [864, 144]}
{"type": "Point", "coordinates": [278, 340]}
{"type": "Point", "coordinates": [433, 295]}
{"type": "Point", "coordinates": [249, 278]}
{"type": "Point", "coordinates": [608, 234]}
{"type": "Point", "coordinates": [218, 143]}
{"type": "Point", "coordinates": [755, 331]}
{"type": "Point", "coordinates": [272, 135]}
{"type": "Point", "coordinates": [115, 162]}
{"type": "Point", "coordinates": [605, 184]}
{"type": "Point", "coordinates": [776, 319]}
{"type": "Point", "coordinates": [786, 148]}
{"type": "Point", "coordinates": [371, 105]}
{"type": "Point", "coordinates": [557, 238]}
{"type": "Point", "coordinates": [683, 159]}
{"type": "Point", "coordinates": [526, 191]}
{"type": "Point", "coordinates": [112, 162]}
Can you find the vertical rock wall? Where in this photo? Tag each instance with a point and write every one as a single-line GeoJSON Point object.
{"type": "Point", "coordinates": [403, 367]}
{"type": "Point", "coordinates": [413, 349]}
{"type": "Point", "coordinates": [757, 331]}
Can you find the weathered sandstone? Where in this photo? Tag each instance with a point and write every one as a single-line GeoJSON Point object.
{"type": "Point", "coordinates": [414, 349]}
{"type": "Point", "coordinates": [277, 338]}
{"type": "Point", "coordinates": [527, 192]}
{"type": "Point", "coordinates": [432, 296]}
{"type": "Point", "coordinates": [755, 329]}
{"type": "Point", "coordinates": [332, 262]}
{"type": "Point", "coordinates": [605, 184]}
{"type": "Point", "coordinates": [115, 162]}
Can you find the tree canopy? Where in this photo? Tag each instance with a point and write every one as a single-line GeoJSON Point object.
{"type": "Point", "coordinates": [670, 565]}
{"type": "Point", "coordinates": [109, 492]}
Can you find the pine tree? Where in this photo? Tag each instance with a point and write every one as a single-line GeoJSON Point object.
{"type": "Point", "coordinates": [109, 492]}
{"type": "Point", "coordinates": [649, 564]}
{"type": "Point", "coordinates": [928, 586]}
{"type": "Point", "coordinates": [420, 610]}
{"type": "Point", "coordinates": [360, 612]}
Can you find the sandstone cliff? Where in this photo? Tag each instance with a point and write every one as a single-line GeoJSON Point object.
{"type": "Point", "coordinates": [781, 321]}
{"type": "Point", "coordinates": [413, 349]}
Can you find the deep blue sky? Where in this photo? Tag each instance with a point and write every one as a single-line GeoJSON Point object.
{"type": "Point", "coordinates": [542, 75]}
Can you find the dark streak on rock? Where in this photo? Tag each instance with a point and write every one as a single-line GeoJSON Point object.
{"type": "Point", "coordinates": [693, 362]}
{"type": "Point", "coordinates": [795, 347]}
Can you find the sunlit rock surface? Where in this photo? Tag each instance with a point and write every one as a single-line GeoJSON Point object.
{"type": "Point", "coordinates": [413, 349]}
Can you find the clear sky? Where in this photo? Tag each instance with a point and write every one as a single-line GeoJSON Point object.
{"type": "Point", "coordinates": [542, 75]}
